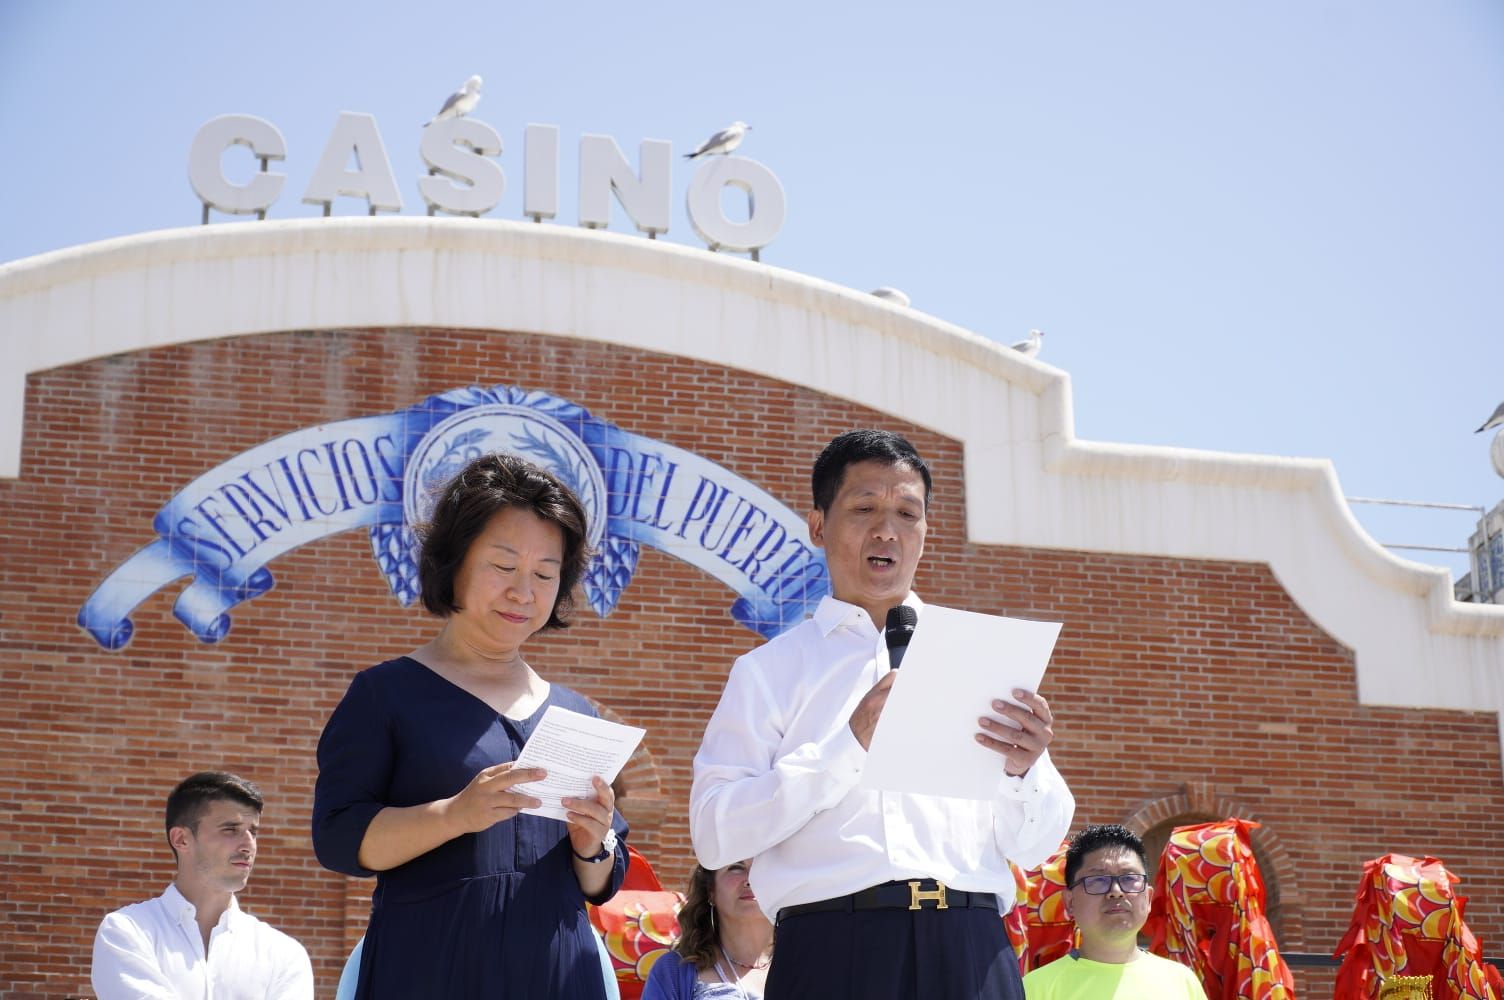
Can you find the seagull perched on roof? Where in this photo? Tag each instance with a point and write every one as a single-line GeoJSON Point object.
{"type": "Point", "coordinates": [459, 103]}
{"type": "Point", "coordinates": [723, 141]}
{"type": "Point", "coordinates": [1029, 348]}
{"type": "Point", "coordinates": [1496, 420]}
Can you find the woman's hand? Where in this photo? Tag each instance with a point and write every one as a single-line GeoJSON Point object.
{"type": "Point", "coordinates": [589, 819]}
{"type": "Point", "coordinates": [398, 834]}
{"type": "Point", "coordinates": [489, 798]}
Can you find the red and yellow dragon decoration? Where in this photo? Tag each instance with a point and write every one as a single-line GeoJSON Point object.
{"type": "Point", "coordinates": [1208, 913]}
{"type": "Point", "coordinates": [1408, 923]}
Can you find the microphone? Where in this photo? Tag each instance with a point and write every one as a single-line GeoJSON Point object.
{"type": "Point", "coordinates": [899, 629]}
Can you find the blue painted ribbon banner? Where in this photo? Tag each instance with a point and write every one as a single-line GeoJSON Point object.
{"type": "Point", "coordinates": [381, 473]}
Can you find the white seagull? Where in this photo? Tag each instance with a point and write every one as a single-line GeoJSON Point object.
{"type": "Point", "coordinates": [723, 141]}
{"type": "Point", "coordinates": [461, 102]}
{"type": "Point", "coordinates": [1497, 420]}
{"type": "Point", "coordinates": [1029, 348]}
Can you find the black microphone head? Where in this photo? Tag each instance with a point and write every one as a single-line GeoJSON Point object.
{"type": "Point", "coordinates": [899, 629]}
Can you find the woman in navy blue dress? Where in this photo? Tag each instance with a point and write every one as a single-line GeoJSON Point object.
{"type": "Point", "coordinates": [416, 779]}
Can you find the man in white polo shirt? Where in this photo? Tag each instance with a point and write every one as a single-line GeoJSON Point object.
{"type": "Point", "coordinates": [194, 940]}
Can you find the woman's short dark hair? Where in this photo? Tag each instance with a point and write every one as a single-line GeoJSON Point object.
{"type": "Point", "coordinates": [698, 942]}
{"type": "Point", "coordinates": [467, 503]}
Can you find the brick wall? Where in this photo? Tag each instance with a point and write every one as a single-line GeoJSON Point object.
{"type": "Point", "coordinates": [1181, 687]}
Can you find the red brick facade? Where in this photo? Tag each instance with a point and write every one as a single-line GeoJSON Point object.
{"type": "Point", "coordinates": [1183, 689]}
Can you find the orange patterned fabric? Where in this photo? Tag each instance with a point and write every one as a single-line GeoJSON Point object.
{"type": "Point", "coordinates": [640, 926]}
{"type": "Point", "coordinates": [1208, 913]}
{"type": "Point", "coordinates": [1408, 922]}
{"type": "Point", "coordinates": [1038, 925]}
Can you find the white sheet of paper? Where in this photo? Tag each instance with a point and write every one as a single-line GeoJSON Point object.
{"type": "Point", "coordinates": [572, 748]}
{"type": "Point", "coordinates": [956, 664]}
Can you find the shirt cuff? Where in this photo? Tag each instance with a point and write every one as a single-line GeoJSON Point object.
{"type": "Point", "coordinates": [842, 756]}
{"type": "Point", "coordinates": [1031, 786]}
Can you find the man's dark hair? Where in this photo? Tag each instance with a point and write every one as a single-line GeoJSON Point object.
{"type": "Point", "coordinates": [1094, 838]}
{"type": "Point", "coordinates": [187, 802]}
{"type": "Point", "coordinates": [863, 446]}
{"type": "Point", "coordinates": [467, 502]}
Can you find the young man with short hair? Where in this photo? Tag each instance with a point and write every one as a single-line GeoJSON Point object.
{"type": "Point", "coordinates": [1108, 895]}
{"type": "Point", "coordinates": [194, 940]}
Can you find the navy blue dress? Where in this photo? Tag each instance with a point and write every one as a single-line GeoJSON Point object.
{"type": "Point", "coordinates": [496, 914]}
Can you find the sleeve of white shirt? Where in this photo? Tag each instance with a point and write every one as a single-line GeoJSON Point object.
{"type": "Point", "coordinates": [125, 963]}
{"type": "Point", "coordinates": [294, 976]}
{"type": "Point", "coordinates": [1033, 814]}
{"type": "Point", "coordinates": [745, 799]}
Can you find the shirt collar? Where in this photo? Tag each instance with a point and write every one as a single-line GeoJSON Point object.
{"type": "Point", "coordinates": [232, 915]}
{"type": "Point", "coordinates": [182, 911]}
{"type": "Point", "coordinates": [833, 613]}
{"type": "Point", "coordinates": [177, 905]}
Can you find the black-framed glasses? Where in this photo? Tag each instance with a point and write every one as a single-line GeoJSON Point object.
{"type": "Point", "coordinates": [1101, 885]}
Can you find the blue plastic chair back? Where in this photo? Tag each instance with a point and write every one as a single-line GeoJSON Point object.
{"type": "Point", "coordinates": [351, 975]}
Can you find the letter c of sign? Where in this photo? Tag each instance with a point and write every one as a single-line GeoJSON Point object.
{"type": "Point", "coordinates": [206, 175]}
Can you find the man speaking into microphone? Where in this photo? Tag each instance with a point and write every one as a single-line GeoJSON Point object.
{"type": "Point", "coordinates": [876, 894]}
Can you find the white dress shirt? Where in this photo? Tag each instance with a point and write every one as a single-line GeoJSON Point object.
{"type": "Point", "coordinates": [154, 951]}
{"type": "Point", "coordinates": [775, 781]}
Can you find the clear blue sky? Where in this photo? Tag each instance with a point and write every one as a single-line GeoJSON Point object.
{"type": "Point", "coordinates": [1273, 228]}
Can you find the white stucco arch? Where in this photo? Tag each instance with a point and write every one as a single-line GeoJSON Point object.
{"type": "Point", "coordinates": [1030, 481]}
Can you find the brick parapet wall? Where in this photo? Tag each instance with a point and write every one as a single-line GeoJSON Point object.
{"type": "Point", "coordinates": [1170, 674]}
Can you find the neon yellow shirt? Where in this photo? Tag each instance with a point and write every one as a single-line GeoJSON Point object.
{"type": "Point", "coordinates": [1148, 977]}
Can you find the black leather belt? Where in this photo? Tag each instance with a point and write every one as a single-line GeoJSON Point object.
{"type": "Point", "coordinates": [912, 894]}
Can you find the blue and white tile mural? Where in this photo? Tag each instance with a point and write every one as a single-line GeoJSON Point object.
{"type": "Point", "coordinates": [381, 472]}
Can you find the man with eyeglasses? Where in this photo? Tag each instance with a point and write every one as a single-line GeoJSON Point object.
{"type": "Point", "coordinates": [1107, 895]}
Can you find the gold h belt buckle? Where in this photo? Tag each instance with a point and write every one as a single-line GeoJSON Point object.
{"type": "Point", "coordinates": [937, 897]}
